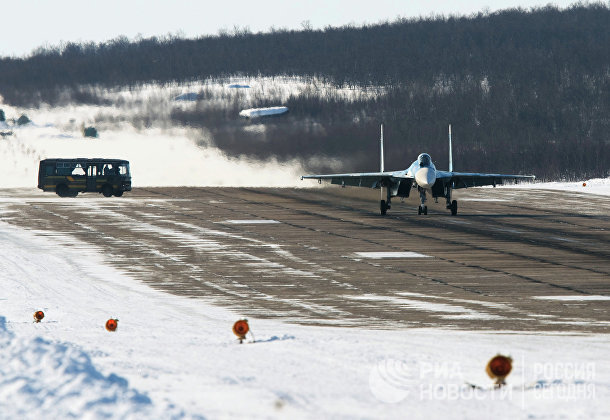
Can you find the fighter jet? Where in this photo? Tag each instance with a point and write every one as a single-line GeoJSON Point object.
{"type": "Point", "coordinates": [421, 175]}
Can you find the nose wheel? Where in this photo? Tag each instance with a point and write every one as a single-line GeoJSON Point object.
{"type": "Point", "coordinates": [422, 209]}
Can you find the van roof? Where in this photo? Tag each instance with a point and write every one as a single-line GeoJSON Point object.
{"type": "Point", "coordinates": [93, 160]}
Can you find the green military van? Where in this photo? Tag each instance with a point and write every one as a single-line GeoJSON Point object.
{"type": "Point", "coordinates": [68, 177]}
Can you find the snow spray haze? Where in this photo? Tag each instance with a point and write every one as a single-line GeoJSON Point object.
{"type": "Point", "coordinates": [132, 125]}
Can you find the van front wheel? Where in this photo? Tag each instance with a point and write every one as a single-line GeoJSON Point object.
{"type": "Point", "coordinates": [62, 190]}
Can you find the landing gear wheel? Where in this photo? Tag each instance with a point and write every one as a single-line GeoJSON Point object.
{"type": "Point", "coordinates": [422, 209]}
{"type": "Point", "coordinates": [453, 208]}
{"type": "Point", "coordinates": [107, 190]}
{"type": "Point", "coordinates": [425, 209]}
{"type": "Point", "coordinates": [62, 190]}
{"type": "Point", "coordinates": [118, 193]}
{"type": "Point", "coordinates": [383, 207]}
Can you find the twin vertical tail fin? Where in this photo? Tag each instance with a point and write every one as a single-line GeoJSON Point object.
{"type": "Point", "coordinates": [381, 151]}
{"type": "Point", "coordinates": [450, 152]}
{"type": "Point", "coordinates": [381, 165]}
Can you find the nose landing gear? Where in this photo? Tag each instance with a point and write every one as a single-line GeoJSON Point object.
{"type": "Point", "coordinates": [422, 209]}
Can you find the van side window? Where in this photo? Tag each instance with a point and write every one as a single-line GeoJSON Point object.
{"type": "Point", "coordinates": [63, 168]}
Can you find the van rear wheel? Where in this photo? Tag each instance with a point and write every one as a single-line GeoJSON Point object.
{"type": "Point", "coordinates": [107, 190]}
{"type": "Point", "coordinates": [118, 193]}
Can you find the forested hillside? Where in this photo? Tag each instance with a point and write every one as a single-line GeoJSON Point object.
{"type": "Point", "coordinates": [526, 91]}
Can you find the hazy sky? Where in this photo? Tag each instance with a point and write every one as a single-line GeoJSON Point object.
{"type": "Point", "coordinates": [28, 24]}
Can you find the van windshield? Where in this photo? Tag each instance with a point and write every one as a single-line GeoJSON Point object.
{"type": "Point", "coordinates": [124, 169]}
{"type": "Point", "coordinates": [115, 169]}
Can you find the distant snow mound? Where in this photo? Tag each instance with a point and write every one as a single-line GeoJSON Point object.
{"type": "Point", "coordinates": [598, 186]}
{"type": "Point", "coordinates": [43, 379]}
{"type": "Point", "coordinates": [263, 112]}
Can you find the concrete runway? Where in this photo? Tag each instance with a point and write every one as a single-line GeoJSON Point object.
{"type": "Point", "coordinates": [513, 259]}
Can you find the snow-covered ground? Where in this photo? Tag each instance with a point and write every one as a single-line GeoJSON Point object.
{"type": "Point", "coordinates": [598, 186]}
{"type": "Point", "coordinates": [175, 357]}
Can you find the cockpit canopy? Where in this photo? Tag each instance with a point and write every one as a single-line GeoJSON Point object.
{"type": "Point", "coordinates": [424, 160]}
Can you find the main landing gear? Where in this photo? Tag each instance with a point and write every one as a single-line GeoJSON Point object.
{"type": "Point", "coordinates": [384, 205]}
{"type": "Point", "coordinates": [423, 209]}
{"type": "Point", "coordinates": [451, 205]}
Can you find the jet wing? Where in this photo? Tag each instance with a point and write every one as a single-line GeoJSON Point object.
{"type": "Point", "coordinates": [364, 179]}
{"type": "Point", "coordinates": [466, 180]}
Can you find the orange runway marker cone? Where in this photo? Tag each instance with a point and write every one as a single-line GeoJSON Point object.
{"type": "Point", "coordinates": [498, 368]}
{"type": "Point", "coordinates": [240, 329]}
{"type": "Point", "coordinates": [112, 324]}
{"type": "Point", "coordinates": [38, 315]}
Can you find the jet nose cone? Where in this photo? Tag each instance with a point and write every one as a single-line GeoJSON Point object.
{"type": "Point", "coordinates": [425, 177]}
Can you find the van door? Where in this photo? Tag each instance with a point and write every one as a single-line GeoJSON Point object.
{"type": "Point", "coordinates": [92, 178]}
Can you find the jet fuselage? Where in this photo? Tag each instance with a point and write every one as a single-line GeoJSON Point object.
{"type": "Point", "coordinates": [423, 171]}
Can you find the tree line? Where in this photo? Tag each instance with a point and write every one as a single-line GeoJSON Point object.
{"type": "Point", "coordinates": [527, 91]}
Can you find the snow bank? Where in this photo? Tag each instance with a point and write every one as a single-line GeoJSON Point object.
{"type": "Point", "coordinates": [263, 112]}
{"type": "Point", "coordinates": [598, 186]}
{"type": "Point", "coordinates": [44, 379]}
